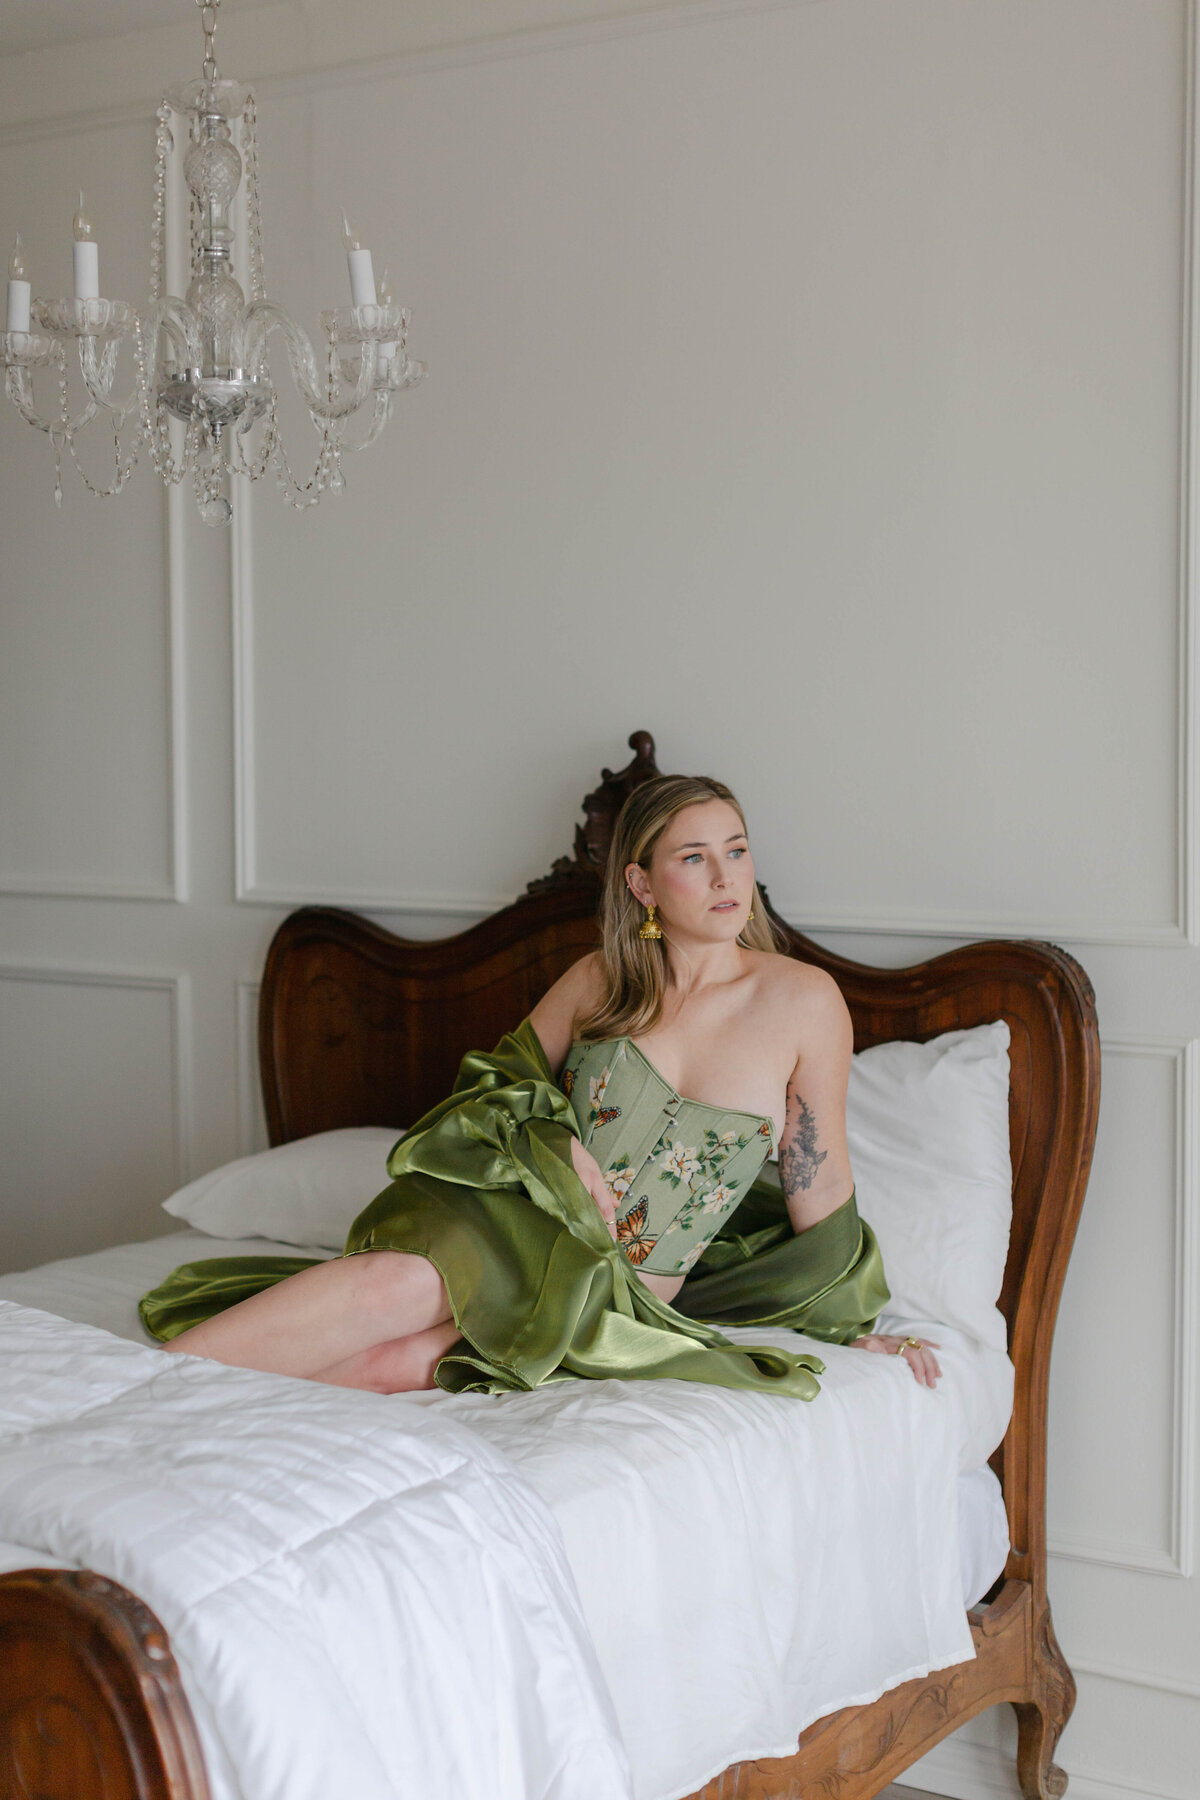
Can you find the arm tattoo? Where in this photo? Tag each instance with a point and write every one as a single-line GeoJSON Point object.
{"type": "Point", "coordinates": [799, 1158]}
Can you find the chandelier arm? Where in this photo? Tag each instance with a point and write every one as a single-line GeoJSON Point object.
{"type": "Point", "coordinates": [155, 422]}
{"type": "Point", "coordinates": [345, 406]}
{"type": "Point", "coordinates": [408, 377]}
{"type": "Point", "coordinates": [98, 379]}
{"type": "Point", "coordinates": [257, 322]}
{"type": "Point", "coordinates": [175, 320]}
{"type": "Point", "coordinates": [381, 412]}
{"type": "Point", "coordinates": [19, 387]}
{"type": "Point", "coordinates": [325, 402]}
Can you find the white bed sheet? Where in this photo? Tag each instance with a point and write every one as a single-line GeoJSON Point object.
{"type": "Point", "coordinates": [691, 1588]}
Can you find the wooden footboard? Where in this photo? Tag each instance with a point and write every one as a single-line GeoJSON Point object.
{"type": "Point", "coordinates": [92, 1707]}
{"type": "Point", "coordinates": [91, 1704]}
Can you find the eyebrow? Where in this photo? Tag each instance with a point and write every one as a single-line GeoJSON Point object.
{"type": "Point", "coordinates": [702, 844]}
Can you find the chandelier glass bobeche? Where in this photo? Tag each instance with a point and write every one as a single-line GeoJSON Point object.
{"type": "Point", "coordinates": [205, 359]}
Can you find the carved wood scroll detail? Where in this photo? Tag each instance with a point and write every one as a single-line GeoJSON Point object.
{"type": "Point", "coordinates": [1041, 1721]}
{"type": "Point", "coordinates": [600, 807]}
{"type": "Point", "coordinates": [852, 1754]}
{"type": "Point", "coordinates": [91, 1704]}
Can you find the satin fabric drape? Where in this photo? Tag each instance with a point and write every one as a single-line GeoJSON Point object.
{"type": "Point", "coordinates": [484, 1187]}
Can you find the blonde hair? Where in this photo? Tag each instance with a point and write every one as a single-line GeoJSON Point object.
{"type": "Point", "coordinates": [635, 968]}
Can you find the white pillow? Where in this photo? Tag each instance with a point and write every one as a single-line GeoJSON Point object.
{"type": "Point", "coordinates": [308, 1192]}
{"type": "Point", "coordinates": [927, 1126]}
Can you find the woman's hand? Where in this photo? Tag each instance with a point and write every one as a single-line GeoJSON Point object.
{"type": "Point", "coordinates": [592, 1177]}
{"type": "Point", "coordinates": [917, 1353]}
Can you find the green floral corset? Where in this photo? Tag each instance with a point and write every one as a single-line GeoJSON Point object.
{"type": "Point", "coordinates": [676, 1167]}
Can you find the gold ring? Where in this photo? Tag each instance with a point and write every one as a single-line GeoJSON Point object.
{"type": "Point", "coordinates": [901, 1349]}
{"type": "Point", "coordinates": [915, 1343]}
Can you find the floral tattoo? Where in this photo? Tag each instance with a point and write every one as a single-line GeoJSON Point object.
{"type": "Point", "coordinates": [799, 1158]}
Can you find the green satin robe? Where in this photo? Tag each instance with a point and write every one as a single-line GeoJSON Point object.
{"type": "Point", "coordinates": [485, 1188]}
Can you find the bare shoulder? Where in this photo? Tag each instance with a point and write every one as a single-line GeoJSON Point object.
{"type": "Point", "coordinates": [807, 998]}
{"type": "Point", "coordinates": [573, 996]}
{"type": "Point", "coordinates": [792, 980]}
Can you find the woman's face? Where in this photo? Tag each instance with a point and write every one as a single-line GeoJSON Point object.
{"type": "Point", "coordinates": [701, 874]}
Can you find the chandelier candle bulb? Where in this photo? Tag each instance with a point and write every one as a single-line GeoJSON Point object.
{"type": "Point", "coordinates": [385, 352]}
{"type": "Point", "coordinates": [86, 255]}
{"type": "Point", "coordinates": [18, 290]}
{"type": "Point", "coordinates": [362, 269]}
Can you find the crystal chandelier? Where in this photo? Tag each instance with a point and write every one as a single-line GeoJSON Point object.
{"type": "Point", "coordinates": [205, 360]}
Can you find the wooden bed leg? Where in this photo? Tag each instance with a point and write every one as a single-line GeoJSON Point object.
{"type": "Point", "coordinates": [1040, 1722]}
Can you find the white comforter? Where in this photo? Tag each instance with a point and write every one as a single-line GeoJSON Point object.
{"type": "Point", "coordinates": [748, 1563]}
{"type": "Point", "coordinates": [745, 1563]}
{"type": "Point", "coordinates": [365, 1599]}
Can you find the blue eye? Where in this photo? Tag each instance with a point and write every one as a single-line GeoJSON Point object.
{"type": "Point", "coordinates": [693, 858]}
{"type": "Point", "coordinates": [741, 851]}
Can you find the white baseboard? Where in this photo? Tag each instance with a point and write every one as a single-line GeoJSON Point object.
{"type": "Point", "coordinates": [967, 1771]}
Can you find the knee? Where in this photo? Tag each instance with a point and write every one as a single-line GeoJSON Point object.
{"type": "Point", "coordinates": [404, 1366]}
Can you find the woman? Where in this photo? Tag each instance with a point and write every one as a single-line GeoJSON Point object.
{"type": "Point", "coordinates": [533, 1232]}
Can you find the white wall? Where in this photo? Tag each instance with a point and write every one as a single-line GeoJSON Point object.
{"type": "Point", "coordinates": [812, 383]}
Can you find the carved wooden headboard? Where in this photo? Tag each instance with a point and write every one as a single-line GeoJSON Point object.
{"type": "Point", "coordinates": [360, 1027]}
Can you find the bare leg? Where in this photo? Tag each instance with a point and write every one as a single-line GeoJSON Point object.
{"type": "Point", "coordinates": [403, 1366]}
{"type": "Point", "coordinates": [325, 1315]}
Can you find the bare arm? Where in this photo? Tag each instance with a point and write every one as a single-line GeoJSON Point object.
{"type": "Point", "coordinates": [571, 998]}
{"type": "Point", "coordinates": [553, 1018]}
{"type": "Point", "coordinates": [814, 1163]}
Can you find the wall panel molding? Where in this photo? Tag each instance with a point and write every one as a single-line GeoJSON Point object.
{"type": "Point", "coordinates": [973, 1771]}
{"type": "Point", "coordinates": [1131, 1677]}
{"type": "Point", "coordinates": [177, 988]}
{"type": "Point", "coordinates": [1189, 502]}
{"type": "Point", "coordinates": [254, 884]}
{"type": "Point", "coordinates": [1176, 1556]}
{"type": "Point", "coordinates": [375, 62]}
{"type": "Point", "coordinates": [175, 887]}
{"type": "Point", "coordinates": [252, 1128]}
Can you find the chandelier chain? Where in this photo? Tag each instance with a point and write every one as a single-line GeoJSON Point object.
{"type": "Point", "coordinates": [195, 217]}
{"type": "Point", "coordinates": [258, 290]}
{"type": "Point", "coordinates": [208, 20]}
{"type": "Point", "coordinates": [163, 145]}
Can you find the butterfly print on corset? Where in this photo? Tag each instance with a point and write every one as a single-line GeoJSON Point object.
{"type": "Point", "coordinates": [631, 1234]}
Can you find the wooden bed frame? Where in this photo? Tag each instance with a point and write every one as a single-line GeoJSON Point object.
{"type": "Point", "coordinates": [359, 1027]}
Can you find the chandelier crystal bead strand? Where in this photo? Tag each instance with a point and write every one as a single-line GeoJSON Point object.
{"type": "Point", "coordinates": [205, 360]}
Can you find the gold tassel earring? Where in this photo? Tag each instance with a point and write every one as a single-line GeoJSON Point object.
{"type": "Point", "coordinates": [750, 917]}
{"type": "Point", "coordinates": [651, 928]}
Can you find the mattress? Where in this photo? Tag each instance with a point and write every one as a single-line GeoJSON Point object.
{"type": "Point", "coordinates": [705, 1651]}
